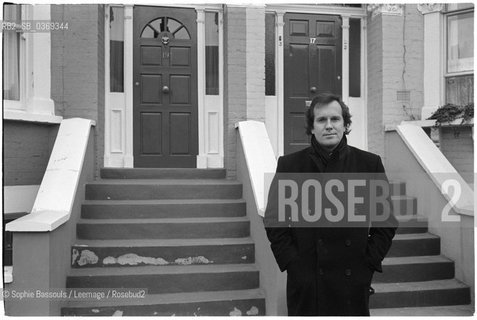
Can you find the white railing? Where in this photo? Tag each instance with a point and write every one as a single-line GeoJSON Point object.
{"type": "Point", "coordinates": [260, 159]}
{"type": "Point", "coordinates": [256, 166]}
{"type": "Point", "coordinates": [437, 166]}
{"type": "Point", "coordinates": [444, 198]}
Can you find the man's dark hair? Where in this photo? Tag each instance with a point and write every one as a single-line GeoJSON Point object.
{"type": "Point", "coordinates": [324, 99]}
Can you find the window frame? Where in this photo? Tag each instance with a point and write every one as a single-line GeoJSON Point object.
{"type": "Point", "coordinates": [23, 74]}
{"type": "Point", "coordinates": [448, 14]}
{"type": "Point", "coordinates": [35, 104]}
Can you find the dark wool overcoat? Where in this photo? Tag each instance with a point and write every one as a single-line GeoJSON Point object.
{"type": "Point", "coordinates": [329, 270]}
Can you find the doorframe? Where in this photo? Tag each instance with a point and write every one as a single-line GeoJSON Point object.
{"type": "Point", "coordinates": [118, 140]}
{"type": "Point", "coordinates": [345, 13]}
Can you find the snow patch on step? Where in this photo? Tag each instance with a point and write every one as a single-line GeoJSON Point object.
{"type": "Point", "coordinates": [253, 311]}
{"type": "Point", "coordinates": [117, 313]}
{"type": "Point", "coordinates": [87, 257]}
{"type": "Point", "coordinates": [235, 312]}
{"type": "Point", "coordinates": [133, 259]}
{"type": "Point", "coordinates": [193, 260]}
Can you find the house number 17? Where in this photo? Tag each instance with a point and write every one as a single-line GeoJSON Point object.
{"type": "Point", "coordinates": [312, 40]}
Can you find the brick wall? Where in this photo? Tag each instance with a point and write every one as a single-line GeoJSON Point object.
{"type": "Point", "coordinates": [26, 150]}
{"type": "Point", "coordinates": [77, 61]}
{"type": "Point", "coordinates": [235, 94]}
{"type": "Point", "coordinates": [375, 85]}
{"type": "Point", "coordinates": [244, 62]}
{"type": "Point", "coordinates": [458, 147]}
{"type": "Point", "coordinates": [255, 22]}
{"type": "Point", "coordinates": [395, 63]}
{"type": "Point", "coordinates": [403, 65]}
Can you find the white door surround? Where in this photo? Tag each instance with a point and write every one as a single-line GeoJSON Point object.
{"type": "Point", "coordinates": [357, 106]}
{"type": "Point", "coordinates": [119, 105]}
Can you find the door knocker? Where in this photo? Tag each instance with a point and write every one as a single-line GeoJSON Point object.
{"type": "Point", "coordinates": [165, 40]}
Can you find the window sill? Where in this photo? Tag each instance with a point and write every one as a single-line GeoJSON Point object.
{"type": "Point", "coordinates": [432, 123]}
{"type": "Point", "coordinates": [31, 117]}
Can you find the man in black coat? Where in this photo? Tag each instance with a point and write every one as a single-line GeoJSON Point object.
{"type": "Point", "coordinates": [329, 269]}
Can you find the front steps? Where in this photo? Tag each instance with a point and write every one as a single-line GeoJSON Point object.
{"type": "Point", "coordinates": [193, 253]}
{"type": "Point", "coordinates": [416, 278]}
{"type": "Point", "coordinates": [445, 311]}
{"type": "Point", "coordinates": [180, 234]}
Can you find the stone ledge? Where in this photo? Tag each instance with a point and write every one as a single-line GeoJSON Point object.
{"type": "Point", "coordinates": [31, 117]}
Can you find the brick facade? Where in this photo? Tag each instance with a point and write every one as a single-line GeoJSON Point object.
{"type": "Point", "coordinates": [394, 63]}
{"type": "Point", "coordinates": [244, 73]}
{"type": "Point", "coordinates": [235, 94]}
{"type": "Point", "coordinates": [26, 150]}
{"type": "Point", "coordinates": [375, 84]}
{"type": "Point", "coordinates": [457, 144]}
{"type": "Point", "coordinates": [77, 61]}
{"type": "Point", "coordinates": [255, 53]}
{"type": "Point", "coordinates": [395, 72]}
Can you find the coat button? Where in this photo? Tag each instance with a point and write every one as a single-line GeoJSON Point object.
{"type": "Point", "coordinates": [348, 242]}
{"type": "Point", "coordinates": [321, 272]}
{"type": "Point", "coordinates": [348, 272]}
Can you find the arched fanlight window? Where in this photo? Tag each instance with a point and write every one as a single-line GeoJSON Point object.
{"type": "Point", "coordinates": [165, 24]}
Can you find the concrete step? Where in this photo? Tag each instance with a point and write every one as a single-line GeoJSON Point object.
{"type": "Point", "coordinates": [117, 253]}
{"type": "Point", "coordinates": [415, 244]}
{"type": "Point", "coordinates": [419, 294]}
{"type": "Point", "coordinates": [404, 205]}
{"type": "Point", "coordinates": [168, 279]}
{"type": "Point", "coordinates": [398, 188]}
{"type": "Point", "coordinates": [187, 228]}
{"type": "Point", "coordinates": [444, 311]}
{"type": "Point", "coordinates": [411, 269]}
{"type": "Point", "coordinates": [145, 189]}
{"type": "Point", "coordinates": [175, 208]}
{"type": "Point", "coordinates": [218, 303]}
{"type": "Point", "coordinates": [412, 224]}
{"type": "Point", "coordinates": [162, 173]}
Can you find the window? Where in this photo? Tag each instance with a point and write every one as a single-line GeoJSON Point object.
{"type": "Point", "coordinates": [460, 42]}
{"type": "Point", "coordinates": [270, 54]}
{"type": "Point", "coordinates": [11, 49]}
{"type": "Point", "coordinates": [26, 65]}
{"type": "Point", "coordinates": [116, 49]}
{"type": "Point", "coordinates": [165, 24]}
{"type": "Point", "coordinates": [212, 53]}
{"type": "Point", "coordinates": [459, 53]}
{"type": "Point", "coordinates": [355, 58]}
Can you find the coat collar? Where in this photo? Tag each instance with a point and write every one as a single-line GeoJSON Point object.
{"type": "Point", "coordinates": [321, 157]}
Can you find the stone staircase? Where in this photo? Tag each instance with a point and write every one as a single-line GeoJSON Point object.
{"type": "Point", "coordinates": [181, 235]}
{"type": "Point", "coordinates": [416, 278]}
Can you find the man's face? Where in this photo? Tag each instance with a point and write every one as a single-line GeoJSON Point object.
{"type": "Point", "coordinates": [328, 125]}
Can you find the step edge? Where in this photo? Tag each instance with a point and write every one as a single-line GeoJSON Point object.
{"type": "Point", "coordinates": [162, 270]}
{"type": "Point", "coordinates": [189, 297]}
